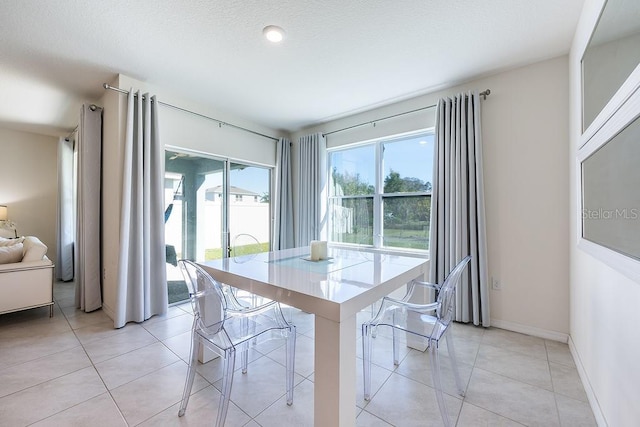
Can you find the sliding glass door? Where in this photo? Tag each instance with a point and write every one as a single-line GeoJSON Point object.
{"type": "Point", "coordinates": [249, 209]}
{"type": "Point", "coordinates": [209, 202]}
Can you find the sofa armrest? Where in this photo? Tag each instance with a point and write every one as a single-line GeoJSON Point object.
{"type": "Point", "coordinates": [26, 285]}
{"type": "Point", "coordinates": [27, 265]}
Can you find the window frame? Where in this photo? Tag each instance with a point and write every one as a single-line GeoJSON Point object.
{"type": "Point", "coordinates": [379, 195]}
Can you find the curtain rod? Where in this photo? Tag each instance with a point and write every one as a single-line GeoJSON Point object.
{"type": "Point", "coordinates": [92, 107]}
{"type": "Point", "coordinates": [483, 94]}
{"type": "Point", "coordinates": [220, 122]}
{"type": "Point", "coordinates": [71, 133]}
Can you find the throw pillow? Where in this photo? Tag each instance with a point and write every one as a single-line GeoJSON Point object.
{"type": "Point", "coordinates": [10, 242]}
{"type": "Point", "coordinates": [11, 254]}
{"type": "Point", "coordinates": [34, 249]}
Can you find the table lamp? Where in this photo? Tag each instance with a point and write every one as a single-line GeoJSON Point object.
{"type": "Point", "coordinates": [4, 220]}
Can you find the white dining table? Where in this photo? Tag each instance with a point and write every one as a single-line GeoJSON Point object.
{"type": "Point", "coordinates": [334, 290]}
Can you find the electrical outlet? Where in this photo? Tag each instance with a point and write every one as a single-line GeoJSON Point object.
{"type": "Point", "coordinates": [495, 284]}
{"type": "Point", "coordinates": [104, 273]}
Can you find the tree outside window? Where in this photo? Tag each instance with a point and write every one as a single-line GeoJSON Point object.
{"type": "Point", "coordinates": [394, 212]}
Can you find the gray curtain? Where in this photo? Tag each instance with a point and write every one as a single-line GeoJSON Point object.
{"type": "Point", "coordinates": [457, 205]}
{"type": "Point", "coordinates": [66, 228]}
{"type": "Point", "coordinates": [142, 281]}
{"type": "Point", "coordinates": [87, 246]}
{"type": "Point", "coordinates": [283, 224]}
{"type": "Point", "coordinates": [311, 189]}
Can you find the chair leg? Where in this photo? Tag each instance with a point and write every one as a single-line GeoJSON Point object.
{"type": "Point", "coordinates": [244, 352]}
{"type": "Point", "coordinates": [366, 359]}
{"type": "Point", "coordinates": [396, 344]}
{"type": "Point", "coordinates": [454, 363]}
{"type": "Point", "coordinates": [244, 357]}
{"type": "Point", "coordinates": [227, 380]}
{"type": "Point", "coordinates": [290, 362]}
{"type": "Point", "coordinates": [435, 373]}
{"type": "Point", "coordinates": [191, 373]}
{"type": "Point", "coordinates": [254, 341]}
{"type": "Point", "coordinates": [396, 348]}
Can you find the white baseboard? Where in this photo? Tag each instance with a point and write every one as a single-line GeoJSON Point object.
{"type": "Point", "coordinates": [591, 396]}
{"type": "Point", "coordinates": [530, 330]}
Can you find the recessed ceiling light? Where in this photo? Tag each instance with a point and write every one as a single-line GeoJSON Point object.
{"type": "Point", "coordinates": [273, 33]}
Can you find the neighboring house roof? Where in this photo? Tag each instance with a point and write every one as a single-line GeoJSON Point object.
{"type": "Point", "coordinates": [232, 190]}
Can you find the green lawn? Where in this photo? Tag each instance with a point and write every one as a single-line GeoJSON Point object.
{"type": "Point", "coordinates": [413, 239]}
{"type": "Point", "coordinates": [216, 253]}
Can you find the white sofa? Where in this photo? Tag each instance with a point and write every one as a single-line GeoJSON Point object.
{"type": "Point", "coordinates": [26, 275]}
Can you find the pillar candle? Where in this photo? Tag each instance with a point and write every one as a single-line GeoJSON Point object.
{"type": "Point", "coordinates": [315, 250]}
{"type": "Point", "coordinates": [318, 250]}
{"type": "Point", "coordinates": [323, 249]}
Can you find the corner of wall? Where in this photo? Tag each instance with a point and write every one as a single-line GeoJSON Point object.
{"type": "Point", "coordinates": [584, 378]}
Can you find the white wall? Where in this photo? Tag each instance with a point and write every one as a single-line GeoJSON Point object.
{"type": "Point", "coordinates": [604, 303]}
{"type": "Point", "coordinates": [29, 184]}
{"type": "Point", "coordinates": [525, 133]}
{"type": "Point", "coordinates": [184, 130]}
{"type": "Point", "coordinates": [177, 129]}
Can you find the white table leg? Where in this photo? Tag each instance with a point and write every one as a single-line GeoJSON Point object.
{"type": "Point", "coordinates": [335, 373]}
{"type": "Point", "coordinates": [210, 310]}
{"type": "Point", "coordinates": [420, 296]}
{"type": "Point", "coordinates": [205, 355]}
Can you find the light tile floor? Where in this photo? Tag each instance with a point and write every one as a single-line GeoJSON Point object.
{"type": "Point", "coordinates": [76, 370]}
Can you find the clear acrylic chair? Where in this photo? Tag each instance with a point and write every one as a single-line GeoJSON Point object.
{"type": "Point", "coordinates": [431, 322]}
{"type": "Point", "coordinates": [227, 327]}
{"type": "Point", "coordinates": [244, 247]}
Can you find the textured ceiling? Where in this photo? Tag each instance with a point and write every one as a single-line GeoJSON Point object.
{"type": "Point", "coordinates": [339, 56]}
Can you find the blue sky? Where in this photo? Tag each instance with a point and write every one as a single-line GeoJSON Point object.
{"type": "Point", "coordinates": [401, 156]}
{"type": "Point", "coordinates": [411, 157]}
{"type": "Point", "coordinates": [251, 178]}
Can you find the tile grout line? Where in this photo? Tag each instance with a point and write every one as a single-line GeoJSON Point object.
{"type": "Point", "coordinates": [553, 385]}
{"type": "Point", "coordinates": [93, 365]}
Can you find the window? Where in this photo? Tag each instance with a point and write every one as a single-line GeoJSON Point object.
{"type": "Point", "coordinates": [380, 192]}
